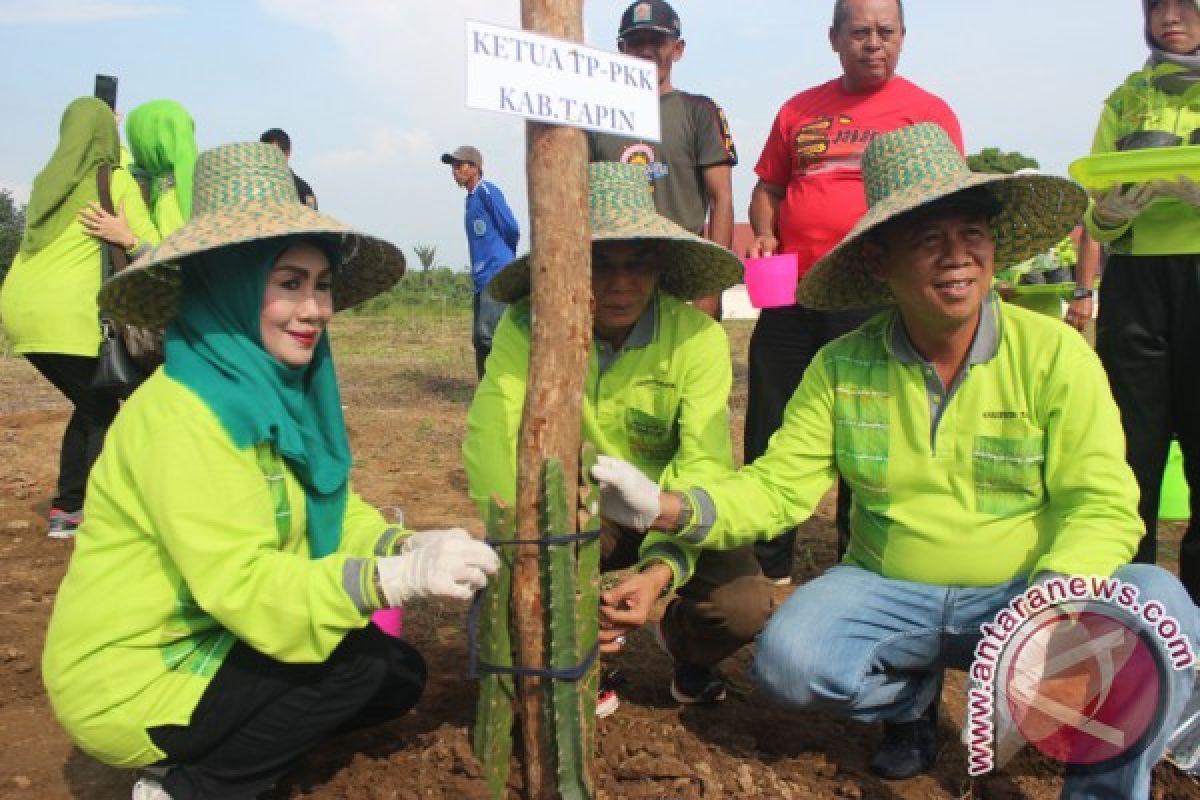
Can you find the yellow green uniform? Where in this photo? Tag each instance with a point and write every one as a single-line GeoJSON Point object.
{"type": "Point", "coordinates": [660, 403]}
{"type": "Point", "coordinates": [48, 300]}
{"type": "Point", "coordinates": [1147, 329]}
{"type": "Point", "coordinates": [167, 216]}
{"type": "Point", "coordinates": [188, 544]}
{"type": "Point", "coordinates": [1017, 469]}
{"type": "Point", "coordinates": [1167, 226]}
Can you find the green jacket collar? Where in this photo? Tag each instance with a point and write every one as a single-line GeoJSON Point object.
{"type": "Point", "coordinates": [645, 332]}
{"type": "Point", "coordinates": [984, 346]}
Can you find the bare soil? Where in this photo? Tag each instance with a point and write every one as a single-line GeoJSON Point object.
{"type": "Point", "coordinates": [406, 385]}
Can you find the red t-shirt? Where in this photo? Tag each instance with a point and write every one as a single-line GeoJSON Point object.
{"type": "Point", "coordinates": [815, 150]}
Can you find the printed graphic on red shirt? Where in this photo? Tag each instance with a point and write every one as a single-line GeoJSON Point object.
{"type": "Point", "coordinates": [642, 155]}
{"type": "Point", "coordinates": [829, 144]}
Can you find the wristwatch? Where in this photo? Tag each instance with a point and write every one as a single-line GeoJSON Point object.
{"type": "Point", "coordinates": [1080, 293]}
{"type": "Point", "coordinates": [685, 512]}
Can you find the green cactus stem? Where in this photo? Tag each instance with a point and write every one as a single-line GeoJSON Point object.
{"type": "Point", "coordinates": [493, 734]}
{"type": "Point", "coordinates": [564, 720]}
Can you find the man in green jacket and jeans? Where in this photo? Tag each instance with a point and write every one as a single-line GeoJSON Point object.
{"type": "Point", "coordinates": [984, 450]}
{"type": "Point", "coordinates": [656, 395]}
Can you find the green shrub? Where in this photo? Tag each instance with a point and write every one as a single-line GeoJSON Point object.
{"type": "Point", "coordinates": [439, 290]}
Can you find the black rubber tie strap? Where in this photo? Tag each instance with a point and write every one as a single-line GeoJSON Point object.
{"type": "Point", "coordinates": [549, 541]}
{"type": "Point", "coordinates": [475, 666]}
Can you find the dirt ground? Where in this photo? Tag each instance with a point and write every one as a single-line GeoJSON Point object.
{"type": "Point", "coordinates": [406, 386]}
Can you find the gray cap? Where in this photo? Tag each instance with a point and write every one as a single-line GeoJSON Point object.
{"type": "Point", "coordinates": [464, 153]}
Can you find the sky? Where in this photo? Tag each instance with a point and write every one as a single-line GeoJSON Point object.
{"type": "Point", "coordinates": [372, 91]}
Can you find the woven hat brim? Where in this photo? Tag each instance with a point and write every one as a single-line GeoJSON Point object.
{"type": "Point", "coordinates": [147, 292]}
{"type": "Point", "coordinates": [1037, 211]}
{"type": "Point", "coordinates": [693, 267]}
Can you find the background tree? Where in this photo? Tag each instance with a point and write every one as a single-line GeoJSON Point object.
{"type": "Point", "coordinates": [993, 159]}
{"type": "Point", "coordinates": [427, 256]}
{"type": "Point", "coordinates": [12, 228]}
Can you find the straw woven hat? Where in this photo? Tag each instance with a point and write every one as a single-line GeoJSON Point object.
{"type": "Point", "coordinates": [622, 209]}
{"type": "Point", "coordinates": [242, 193]}
{"type": "Point", "coordinates": [916, 165]}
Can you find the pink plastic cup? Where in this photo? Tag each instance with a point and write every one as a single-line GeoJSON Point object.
{"type": "Point", "coordinates": [389, 620]}
{"type": "Point", "coordinates": [771, 280]}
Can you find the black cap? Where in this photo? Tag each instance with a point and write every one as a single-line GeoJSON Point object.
{"type": "Point", "coordinates": [650, 15]}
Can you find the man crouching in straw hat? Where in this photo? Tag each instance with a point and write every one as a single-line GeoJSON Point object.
{"type": "Point", "coordinates": [981, 442]}
{"type": "Point", "coordinates": [213, 622]}
{"type": "Point", "coordinates": [656, 394]}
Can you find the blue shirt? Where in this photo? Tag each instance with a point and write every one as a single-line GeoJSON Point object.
{"type": "Point", "coordinates": [492, 232]}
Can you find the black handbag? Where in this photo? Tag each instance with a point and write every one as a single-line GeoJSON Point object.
{"type": "Point", "coordinates": [116, 371]}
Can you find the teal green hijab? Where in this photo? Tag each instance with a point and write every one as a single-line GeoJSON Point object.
{"type": "Point", "coordinates": [87, 138]}
{"type": "Point", "coordinates": [214, 347]}
{"type": "Point", "coordinates": [162, 138]}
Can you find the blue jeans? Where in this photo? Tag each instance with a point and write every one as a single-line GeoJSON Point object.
{"type": "Point", "coordinates": [485, 316]}
{"type": "Point", "coordinates": [871, 648]}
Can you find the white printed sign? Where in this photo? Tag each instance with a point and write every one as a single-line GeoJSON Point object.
{"type": "Point", "coordinates": [560, 82]}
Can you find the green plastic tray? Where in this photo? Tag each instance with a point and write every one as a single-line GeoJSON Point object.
{"type": "Point", "coordinates": [1137, 166]}
{"type": "Point", "coordinates": [1063, 290]}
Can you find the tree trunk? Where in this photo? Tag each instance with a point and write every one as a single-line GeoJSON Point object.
{"type": "Point", "coordinates": [560, 269]}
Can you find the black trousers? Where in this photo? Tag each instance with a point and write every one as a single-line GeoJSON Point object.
{"type": "Point", "coordinates": [1148, 337]}
{"type": "Point", "coordinates": [84, 436]}
{"type": "Point", "coordinates": [258, 715]}
{"type": "Point", "coordinates": [783, 344]}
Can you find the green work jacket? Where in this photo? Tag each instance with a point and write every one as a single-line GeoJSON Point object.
{"type": "Point", "coordinates": [661, 404]}
{"type": "Point", "coordinates": [1024, 472]}
{"type": "Point", "coordinates": [188, 544]}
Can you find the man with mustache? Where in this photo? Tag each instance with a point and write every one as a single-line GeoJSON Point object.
{"type": "Point", "coordinates": [808, 195]}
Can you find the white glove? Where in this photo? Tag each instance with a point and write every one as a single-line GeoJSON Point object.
{"type": "Point", "coordinates": [444, 566]}
{"type": "Point", "coordinates": [1183, 190]}
{"type": "Point", "coordinates": [1116, 206]}
{"type": "Point", "coordinates": [422, 538]}
{"type": "Point", "coordinates": [627, 497]}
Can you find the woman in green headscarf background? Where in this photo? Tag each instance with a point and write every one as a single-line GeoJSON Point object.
{"type": "Point", "coordinates": [162, 149]}
{"type": "Point", "coordinates": [48, 300]}
{"type": "Point", "coordinates": [162, 140]}
{"type": "Point", "coordinates": [1148, 327]}
{"type": "Point", "coordinates": [213, 621]}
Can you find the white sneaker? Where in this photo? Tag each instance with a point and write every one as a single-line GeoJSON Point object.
{"type": "Point", "coordinates": [148, 788]}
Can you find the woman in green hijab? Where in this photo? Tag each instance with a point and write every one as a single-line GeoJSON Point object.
{"type": "Point", "coordinates": [162, 139]}
{"type": "Point", "coordinates": [213, 621]}
{"type": "Point", "coordinates": [48, 300]}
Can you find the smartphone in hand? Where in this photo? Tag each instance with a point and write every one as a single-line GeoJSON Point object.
{"type": "Point", "coordinates": [106, 90]}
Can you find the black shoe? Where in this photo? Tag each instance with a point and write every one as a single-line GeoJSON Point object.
{"type": "Point", "coordinates": [694, 685]}
{"type": "Point", "coordinates": [908, 748]}
{"type": "Point", "coordinates": [690, 684]}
